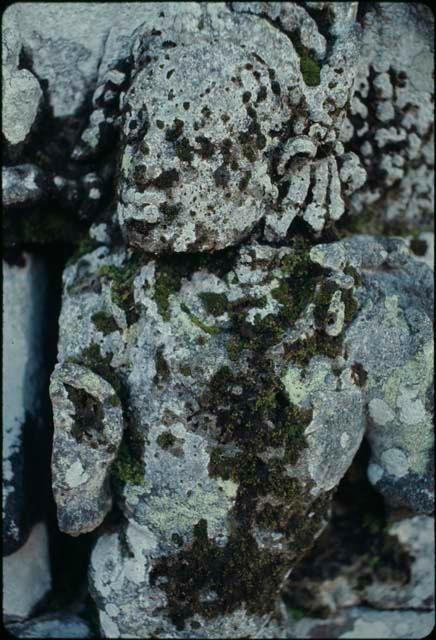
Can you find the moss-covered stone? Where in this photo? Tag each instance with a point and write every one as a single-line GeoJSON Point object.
{"type": "Point", "coordinates": [104, 322]}
{"type": "Point", "coordinates": [259, 416]}
{"type": "Point", "coordinates": [214, 303]}
{"type": "Point", "coordinates": [168, 281]}
{"type": "Point", "coordinates": [236, 573]}
{"type": "Point", "coordinates": [162, 368]}
{"type": "Point", "coordinates": [126, 469]}
{"type": "Point", "coordinates": [302, 351]}
{"type": "Point", "coordinates": [166, 440]}
{"type": "Point", "coordinates": [86, 245]}
{"type": "Point", "coordinates": [298, 277]}
{"type": "Point", "coordinates": [323, 299]}
{"type": "Point", "coordinates": [310, 70]}
{"type": "Point", "coordinates": [213, 331]}
{"type": "Point", "coordinates": [122, 290]}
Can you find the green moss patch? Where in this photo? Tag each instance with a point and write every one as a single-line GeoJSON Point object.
{"type": "Point", "coordinates": [212, 331]}
{"type": "Point", "coordinates": [104, 322]}
{"type": "Point", "coordinates": [162, 368]}
{"type": "Point", "coordinates": [236, 573]}
{"type": "Point", "coordinates": [310, 70]}
{"type": "Point", "coordinates": [166, 440]}
{"type": "Point", "coordinates": [126, 468]}
{"type": "Point", "coordinates": [168, 281]}
{"type": "Point", "coordinates": [121, 279]}
{"type": "Point", "coordinates": [302, 351]}
{"type": "Point", "coordinates": [215, 303]}
{"type": "Point", "coordinates": [258, 416]}
{"type": "Point", "coordinates": [296, 289]}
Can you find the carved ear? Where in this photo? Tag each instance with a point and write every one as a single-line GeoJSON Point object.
{"type": "Point", "coordinates": [88, 427]}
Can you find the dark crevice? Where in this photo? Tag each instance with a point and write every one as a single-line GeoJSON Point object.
{"type": "Point", "coordinates": [356, 536]}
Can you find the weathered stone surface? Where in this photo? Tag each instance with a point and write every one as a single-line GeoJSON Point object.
{"type": "Point", "coordinates": [228, 436]}
{"type": "Point", "coordinates": [88, 429]}
{"type": "Point", "coordinates": [392, 340]}
{"type": "Point", "coordinates": [21, 92]}
{"type": "Point", "coordinates": [211, 149]}
{"type": "Point", "coordinates": [63, 625]}
{"type": "Point", "coordinates": [391, 118]}
{"type": "Point", "coordinates": [24, 294]}
{"type": "Point", "coordinates": [26, 575]}
{"type": "Point", "coordinates": [221, 359]}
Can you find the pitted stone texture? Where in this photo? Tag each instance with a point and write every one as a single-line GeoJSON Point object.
{"type": "Point", "coordinates": [212, 148]}
{"type": "Point", "coordinates": [391, 116]}
{"type": "Point", "coordinates": [21, 92]}
{"type": "Point", "coordinates": [171, 354]}
{"type": "Point", "coordinates": [284, 160]}
{"type": "Point", "coordinates": [88, 428]}
{"type": "Point", "coordinates": [392, 339]}
{"type": "Point", "coordinates": [24, 294]}
{"type": "Point", "coordinates": [26, 575]}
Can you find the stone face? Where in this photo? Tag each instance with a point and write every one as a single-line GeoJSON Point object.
{"type": "Point", "coordinates": [26, 575]}
{"type": "Point", "coordinates": [211, 149]}
{"type": "Point", "coordinates": [24, 294]}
